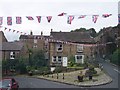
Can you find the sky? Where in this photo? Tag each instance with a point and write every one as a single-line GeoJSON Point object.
{"type": "Point", "coordinates": [52, 8]}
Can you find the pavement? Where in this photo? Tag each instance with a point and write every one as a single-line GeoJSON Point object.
{"type": "Point", "coordinates": [71, 78]}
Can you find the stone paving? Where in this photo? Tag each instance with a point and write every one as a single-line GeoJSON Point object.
{"type": "Point", "coordinates": [71, 78]}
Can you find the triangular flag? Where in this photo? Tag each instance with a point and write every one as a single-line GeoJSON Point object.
{"type": "Point", "coordinates": [62, 14]}
{"type": "Point", "coordinates": [17, 31]}
{"type": "Point", "coordinates": [5, 28]}
{"type": "Point", "coordinates": [9, 29]}
{"type": "Point", "coordinates": [39, 18]}
{"type": "Point", "coordinates": [29, 18]}
{"type": "Point", "coordinates": [49, 18]}
{"type": "Point", "coordinates": [18, 20]}
{"type": "Point", "coordinates": [81, 16]}
{"type": "Point", "coordinates": [94, 18]}
{"type": "Point", "coordinates": [70, 19]}
{"type": "Point", "coordinates": [9, 20]}
{"type": "Point", "coordinates": [106, 15]}
{"type": "Point", "coordinates": [14, 30]}
{"type": "Point", "coordinates": [1, 20]}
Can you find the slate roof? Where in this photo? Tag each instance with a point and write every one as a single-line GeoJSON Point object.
{"type": "Point", "coordinates": [33, 37]}
{"type": "Point", "coordinates": [11, 46]}
{"type": "Point", "coordinates": [79, 37]}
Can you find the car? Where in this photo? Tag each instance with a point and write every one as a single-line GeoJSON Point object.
{"type": "Point", "coordinates": [8, 84]}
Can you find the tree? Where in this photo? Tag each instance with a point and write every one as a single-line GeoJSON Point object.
{"type": "Point", "coordinates": [38, 59]}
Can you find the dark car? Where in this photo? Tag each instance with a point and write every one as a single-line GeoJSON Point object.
{"type": "Point", "coordinates": [8, 84]}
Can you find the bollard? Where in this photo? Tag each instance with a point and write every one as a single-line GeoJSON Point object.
{"type": "Point", "coordinates": [63, 76]}
{"type": "Point", "coordinates": [57, 75]}
{"type": "Point", "coordinates": [52, 75]}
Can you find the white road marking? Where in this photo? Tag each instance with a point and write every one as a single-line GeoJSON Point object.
{"type": "Point", "coordinates": [117, 70]}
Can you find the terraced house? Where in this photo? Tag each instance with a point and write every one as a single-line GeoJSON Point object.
{"type": "Point", "coordinates": [79, 45]}
{"type": "Point", "coordinates": [10, 50]}
{"type": "Point", "coordinates": [58, 46]}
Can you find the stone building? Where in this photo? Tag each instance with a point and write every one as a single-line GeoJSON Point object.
{"type": "Point", "coordinates": [79, 45]}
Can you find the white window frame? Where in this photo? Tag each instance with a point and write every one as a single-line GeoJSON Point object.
{"type": "Point", "coordinates": [58, 46]}
{"type": "Point", "coordinates": [57, 59]}
{"type": "Point", "coordinates": [12, 55]}
{"type": "Point", "coordinates": [79, 60]}
{"type": "Point", "coordinates": [35, 41]}
{"type": "Point", "coordinates": [79, 48]}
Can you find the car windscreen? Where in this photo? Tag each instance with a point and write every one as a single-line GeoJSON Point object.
{"type": "Point", "coordinates": [5, 83]}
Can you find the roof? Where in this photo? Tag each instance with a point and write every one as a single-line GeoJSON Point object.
{"type": "Point", "coordinates": [33, 37]}
{"type": "Point", "coordinates": [11, 46]}
{"type": "Point", "coordinates": [79, 37]}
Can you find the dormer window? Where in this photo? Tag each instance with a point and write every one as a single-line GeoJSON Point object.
{"type": "Point", "coordinates": [79, 48]}
{"type": "Point", "coordinates": [12, 55]}
{"type": "Point", "coordinates": [59, 47]}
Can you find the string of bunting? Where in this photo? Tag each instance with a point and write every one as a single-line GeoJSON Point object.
{"type": "Point", "coordinates": [70, 18]}
{"type": "Point", "coordinates": [12, 30]}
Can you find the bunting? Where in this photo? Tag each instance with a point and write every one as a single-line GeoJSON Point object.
{"type": "Point", "coordinates": [81, 16]}
{"type": "Point", "coordinates": [29, 17]}
{"type": "Point", "coordinates": [9, 20]}
{"type": "Point", "coordinates": [62, 14]}
{"type": "Point", "coordinates": [94, 18]}
{"type": "Point", "coordinates": [106, 15]}
{"type": "Point", "coordinates": [7, 29]}
{"type": "Point", "coordinates": [1, 20]}
{"type": "Point", "coordinates": [18, 20]}
{"type": "Point", "coordinates": [70, 19]}
{"type": "Point", "coordinates": [49, 18]}
{"type": "Point", "coordinates": [39, 18]}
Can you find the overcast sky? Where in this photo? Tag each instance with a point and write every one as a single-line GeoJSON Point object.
{"type": "Point", "coordinates": [52, 8]}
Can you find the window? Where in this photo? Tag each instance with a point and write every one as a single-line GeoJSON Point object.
{"type": "Point", "coordinates": [79, 59]}
{"type": "Point", "coordinates": [35, 46]}
{"type": "Point", "coordinates": [59, 47]}
{"type": "Point", "coordinates": [35, 41]}
{"type": "Point", "coordinates": [57, 59]}
{"type": "Point", "coordinates": [54, 59]}
{"type": "Point", "coordinates": [79, 48]}
{"type": "Point", "coordinates": [12, 55]}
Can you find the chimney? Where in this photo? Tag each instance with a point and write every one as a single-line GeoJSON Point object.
{"type": "Point", "coordinates": [31, 33]}
{"type": "Point", "coordinates": [51, 30]}
{"type": "Point", "coordinates": [41, 33]}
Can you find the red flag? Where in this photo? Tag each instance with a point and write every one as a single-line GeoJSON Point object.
{"type": "Point", "coordinates": [39, 18]}
{"type": "Point", "coordinates": [70, 19]}
{"type": "Point", "coordinates": [62, 14]}
{"type": "Point", "coordinates": [18, 20]}
{"type": "Point", "coordinates": [1, 20]}
{"type": "Point", "coordinates": [29, 18]}
{"type": "Point", "coordinates": [9, 20]}
{"type": "Point", "coordinates": [106, 15]}
{"type": "Point", "coordinates": [49, 18]}
{"type": "Point", "coordinates": [94, 18]}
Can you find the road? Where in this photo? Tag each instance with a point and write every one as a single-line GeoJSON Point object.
{"type": "Point", "coordinates": [25, 82]}
{"type": "Point", "coordinates": [111, 70]}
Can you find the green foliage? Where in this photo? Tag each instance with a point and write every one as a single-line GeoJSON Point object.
{"type": "Point", "coordinates": [79, 30]}
{"type": "Point", "coordinates": [116, 57]}
{"type": "Point", "coordinates": [71, 61]}
{"type": "Point", "coordinates": [38, 59]}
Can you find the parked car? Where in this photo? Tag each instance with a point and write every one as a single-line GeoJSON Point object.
{"type": "Point", "coordinates": [8, 84]}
